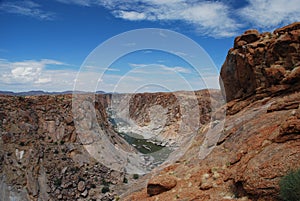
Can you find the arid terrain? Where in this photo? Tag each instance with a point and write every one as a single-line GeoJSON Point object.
{"type": "Point", "coordinates": [44, 157]}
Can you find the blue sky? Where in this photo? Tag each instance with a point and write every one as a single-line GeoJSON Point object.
{"type": "Point", "coordinates": [43, 44]}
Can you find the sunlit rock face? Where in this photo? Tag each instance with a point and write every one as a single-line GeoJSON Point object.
{"type": "Point", "coordinates": [263, 63]}
{"type": "Point", "coordinates": [260, 140]}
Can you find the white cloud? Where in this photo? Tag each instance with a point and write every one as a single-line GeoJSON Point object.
{"type": "Point", "coordinates": [78, 2]}
{"type": "Point", "coordinates": [34, 75]}
{"type": "Point", "coordinates": [180, 69]}
{"type": "Point", "coordinates": [208, 17]}
{"type": "Point", "coordinates": [26, 72]}
{"type": "Point", "coordinates": [268, 14]}
{"type": "Point", "coordinates": [138, 65]}
{"type": "Point", "coordinates": [27, 8]}
{"type": "Point", "coordinates": [146, 68]}
{"type": "Point", "coordinates": [211, 18]}
{"type": "Point", "coordinates": [90, 68]}
{"type": "Point", "coordinates": [130, 15]}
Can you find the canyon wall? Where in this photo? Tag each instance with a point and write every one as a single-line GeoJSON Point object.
{"type": "Point", "coordinates": [44, 157]}
{"type": "Point", "coordinates": [259, 142]}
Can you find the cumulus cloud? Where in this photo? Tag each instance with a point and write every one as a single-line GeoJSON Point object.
{"type": "Point", "coordinates": [268, 14]}
{"type": "Point", "coordinates": [208, 18]}
{"type": "Point", "coordinates": [26, 72]}
{"type": "Point", "coordinates": [130, 15]}
{"type": "Point", "coordinates": [27, 8]}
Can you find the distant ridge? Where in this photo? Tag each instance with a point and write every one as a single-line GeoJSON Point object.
{"type": "Point", "coordinates": [39, 92]}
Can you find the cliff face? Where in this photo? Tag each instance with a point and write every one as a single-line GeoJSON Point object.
{"type": "Point", "coordinates": [44, 157]}
{"type": "Point", "coordinates": [260, 140]}
{"type": "Point", "coordinates": [264, 63]}
{"type": "Point", "coordinates": [166, 117]}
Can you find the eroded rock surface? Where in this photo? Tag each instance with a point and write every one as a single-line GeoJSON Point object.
{"type": "Point", "coordinates": [161, 184]}
{"type": "Point", "coordinates": [259, 142]}
{"type": "Point", "coordinates": [44, 156]}
{"type": "Point", "coordinates": [263, 63]}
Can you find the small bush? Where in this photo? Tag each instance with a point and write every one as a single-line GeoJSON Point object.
{"type": "Point", "coordinates": [135, 176]}
{"type": "Point", "coordinates": [290, 186]}
{"type": "Point", "coordinates": [104, 182]}
{"type": "Point", "coordinates": [105, 189]}
{"type": "Point", "coordinates": [125, 180]}
{"type": "Point", "coordinates": [57, 182]}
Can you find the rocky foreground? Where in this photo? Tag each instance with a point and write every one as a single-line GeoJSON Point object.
{"type": "Point", "coordinates": [260, 141]}
{"type": "Point", "coordinates": [43, 157]}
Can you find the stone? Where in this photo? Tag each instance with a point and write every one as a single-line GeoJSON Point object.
{"type": "Point", "coordinates": [160, 184]}
{"type": "Point", "coordinates": [206, 186]}
{"type": "Point", "coordinates": [81, 186]}
{"type": "Point", "coordinates": [288, 28]}
{"type": "Point", "coordinates": [84, 193]}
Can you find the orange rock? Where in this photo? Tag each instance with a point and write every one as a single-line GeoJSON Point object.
{"type": "Point", "coordinates": [160, 184]}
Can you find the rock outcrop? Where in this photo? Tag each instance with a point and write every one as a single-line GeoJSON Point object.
{"type": "Point", "coordinates": [259, 142]}
{"type": "Point", "coordinates": [159, 185]}
{"type": "Point", "coordinates": [41, 156]}
{"type": "Point", "coordinates": [263, 63]}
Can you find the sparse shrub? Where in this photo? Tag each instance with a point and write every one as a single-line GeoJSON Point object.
{"type": "Point", "coordinates": [22, 144]}
{"type": "Point", "coordinates": [104, 182]}
{"type": "Point", "coordinates": [62, 142]}
{"type": "Point", "coordinates": [135, 176]}
{"type": "Point", "coordinates": [74, 169]}
{"type": "Point", "coordinates": [57, 182]}
{"type": "Point", "coordinates": [105, 189]}
{"type": "Point", "coordinates": [290, 186]}
{"type": "Point", "coordinates": [125, 180]}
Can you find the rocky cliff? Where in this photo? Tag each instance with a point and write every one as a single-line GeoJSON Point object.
{"type": "Point", "coordinates": [260, 140]}
{"type": "Point", "coordinates": [44, 157]}
{"type": "Point", "coordinates": [264, 63]}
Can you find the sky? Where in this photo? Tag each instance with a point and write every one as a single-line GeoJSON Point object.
{"type": "Point", "coordinates": [126, 46]}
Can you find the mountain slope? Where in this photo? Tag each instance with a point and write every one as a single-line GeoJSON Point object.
{"type": "Point", "coordinates": [260, 140]}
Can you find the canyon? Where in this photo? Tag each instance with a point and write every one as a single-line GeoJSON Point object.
{"type": "Point", "coordinates": [230, 144]}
